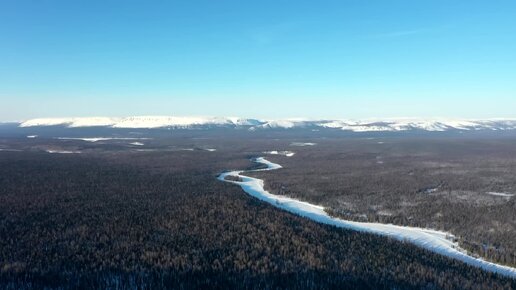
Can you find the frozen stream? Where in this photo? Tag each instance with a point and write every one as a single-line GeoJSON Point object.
{"type": "Point", "coordinates": [435, 241]}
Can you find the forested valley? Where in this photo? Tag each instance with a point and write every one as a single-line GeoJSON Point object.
{"type": "Point", "coordinates": [157, 220]}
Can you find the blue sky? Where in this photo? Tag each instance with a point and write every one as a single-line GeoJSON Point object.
{"type": "Point", "coordinates": [266, 59]}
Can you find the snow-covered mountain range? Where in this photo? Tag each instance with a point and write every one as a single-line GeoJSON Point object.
{"type": "Point", "coordinates": [386, 125]}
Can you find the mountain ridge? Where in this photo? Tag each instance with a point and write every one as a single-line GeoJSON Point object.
{"type": "Point", "coordinates": [368, 125]}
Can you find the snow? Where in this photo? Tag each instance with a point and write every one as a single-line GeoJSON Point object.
{"type": "Point", "coordinates": [405, 124]}
{"type": "Point", "coordinates": [140, 122]}
{"type": "Point", "coordinates": [96, 139]}
{"type": "Point", "coordinates": [163, 121]}
{"type": "Point", "coordinates": [503, 194]}
{"type": "Point", "coordinates": [370, 125]}
{"type": "Point", "coordinates": [431, 190]}
{"type": "Point", "coordinates": [436, 241]}
{"type": "Point", "coordinates": [285, 124]}
{"type": "Point", "coordinates": [284, 153]}
{"type": "Point", "coordinates": [70, 122]}
{"type": "Point", "coordinates": [301, 144]}
{"type": "Point", "coordinates": [62, 151]}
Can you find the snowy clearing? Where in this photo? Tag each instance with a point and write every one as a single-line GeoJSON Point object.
{"type": "Point", "coordinates": [436, 241]}
{"type": "Point", "coordinates": [284, 153]}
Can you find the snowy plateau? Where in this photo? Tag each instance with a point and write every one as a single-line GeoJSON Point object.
{"type": "Point", "coordinates": [384, 125]}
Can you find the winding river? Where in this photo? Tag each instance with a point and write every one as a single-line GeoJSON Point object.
{"type": "Point", "coordinates": [436, 241]}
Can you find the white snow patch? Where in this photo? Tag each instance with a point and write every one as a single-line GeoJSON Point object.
{"type": "Point", "coordinates": [62, 152]}
{"type": "Point", "coordinates": [96, 139]}
{"type": "Point", "coordinates": [503, 194]}
{"type": "Point", "coordinates": [301, 144]}
{"type": "Point", "coordinates": [284, 153]}
{"type": "Point", "coordinates": [285, 124]}
{"type": "Point", "coordinates": [436, 241]}
{"type": "Point", "coordinates": [431, 190]}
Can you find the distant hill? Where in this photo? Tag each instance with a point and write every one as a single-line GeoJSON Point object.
{"type": "Point", "coordinates": [387, 125]}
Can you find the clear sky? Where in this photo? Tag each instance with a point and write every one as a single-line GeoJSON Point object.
{"type": "Point", "coordinates": [264, 59]}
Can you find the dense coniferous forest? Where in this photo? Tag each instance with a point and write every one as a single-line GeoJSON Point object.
{"type": "Point", "coordinates": [155, 220]}
{"type": "Point", "coordinates": [462, 185]}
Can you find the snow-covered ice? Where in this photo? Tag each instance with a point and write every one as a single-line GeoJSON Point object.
{"type": "Point", "coordinates": [436, 241]}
